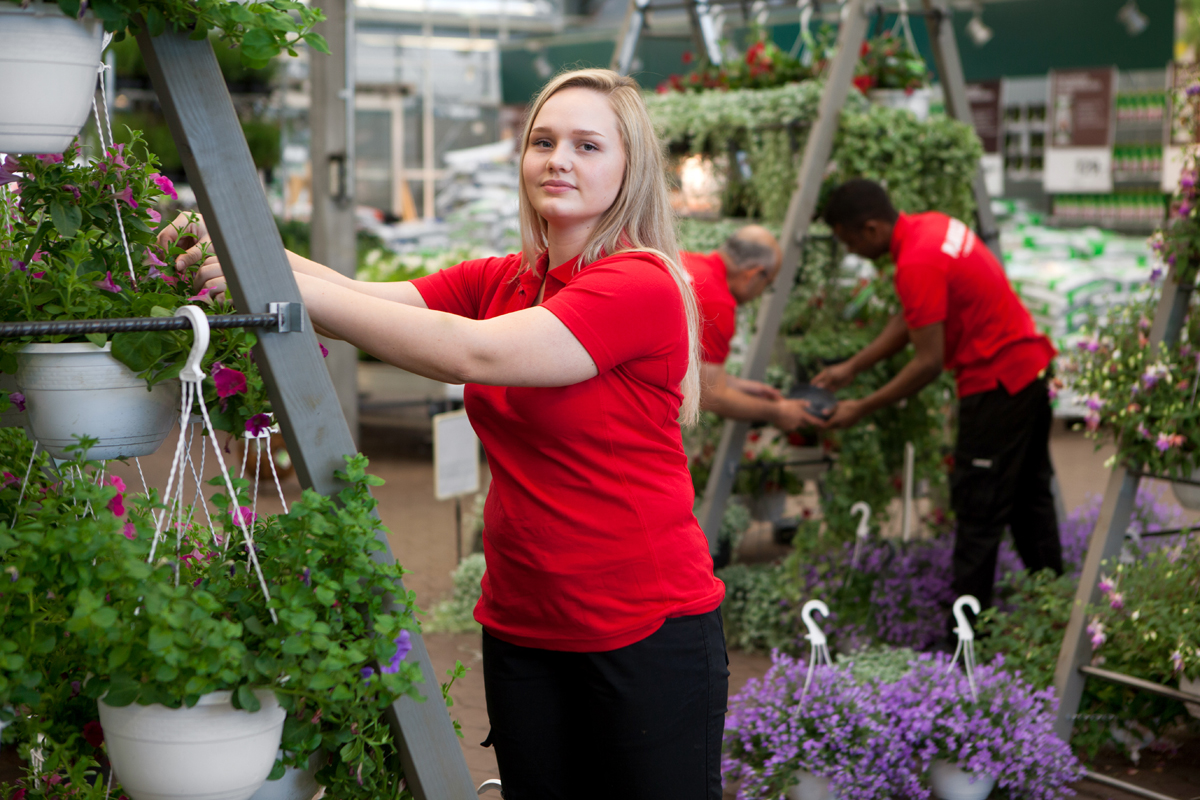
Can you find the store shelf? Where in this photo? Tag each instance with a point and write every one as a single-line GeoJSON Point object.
{"type": "Point", "coordinates": [1133, 227]}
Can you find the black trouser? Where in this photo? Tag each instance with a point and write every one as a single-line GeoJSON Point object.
{"type": "Point", "coordinates": [642, 722]}
{"type": "Point", "coordinates": [1002, 475]}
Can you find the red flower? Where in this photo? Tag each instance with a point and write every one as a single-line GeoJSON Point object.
{"type": "Point", "coordinates": [862, 51]}
{"type": "Point", "coordinates": [863, 83]}
{"type": "Point", "coordinates": [93, 733]}
{"type": "Point", "coordinates": [688, 57]}
{"type": "Point", "coordinates": [754, 52]}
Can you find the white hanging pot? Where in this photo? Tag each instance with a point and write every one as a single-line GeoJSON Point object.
{"type": "Point", "coordinates": [916, 101]}
{"type": "Point", "coordinates": [1188, 494]}
{"type": "Point", "coordinates": [769, 506]}
{"type": "Point", "coordinates": [951, 783]}
{"type": "Point", "coordinates": [810, 787]}
{"type": "Point", "coordinates": [80, 389]}
{"type": "Point", "coordinates": [11, 418]}
{"type": "Point", "coordinates": [48, 66]}
{"type": "Point", "coordinates": [211, 751]}
{"type": "Point", "coordinates": [296, 784]}
{"type": "Point", "coordinates": [1191, 687]}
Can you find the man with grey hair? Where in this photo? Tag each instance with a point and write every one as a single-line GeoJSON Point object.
{"type": "Point", "coordinates": [739, 271]}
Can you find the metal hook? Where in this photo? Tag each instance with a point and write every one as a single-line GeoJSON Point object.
{"type": "Point", "coordinates": [191, 371]}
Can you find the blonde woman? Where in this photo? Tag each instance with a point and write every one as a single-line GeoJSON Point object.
{"type": "Point", "coordinates": [604, 659]}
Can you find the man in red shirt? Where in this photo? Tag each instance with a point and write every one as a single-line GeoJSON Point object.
{"type": "Point", "coordinates": [738, 272]}
{"type": "Point", "coordinates": [960, 313]}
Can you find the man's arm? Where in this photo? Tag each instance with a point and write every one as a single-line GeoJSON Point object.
{"type": "Point", "coordinates": [891, 340]}
{"type": "Point", "coordinates": [717, 394]}
{"type": "Point", "coordinates": [925, 366]}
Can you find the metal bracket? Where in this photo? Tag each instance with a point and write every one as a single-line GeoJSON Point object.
{"type": "Point", "coordinates": [288, 316]}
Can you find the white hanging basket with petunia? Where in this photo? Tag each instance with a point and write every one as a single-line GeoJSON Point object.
{"type": "Point", "coordinates": [48, 67]}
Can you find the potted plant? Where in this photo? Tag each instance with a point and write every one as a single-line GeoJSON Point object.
{"type": "Point", "coordinates": [52, 53]}
{"type": "Point", "coordinates": [763, 478]}
{"type": "Point", "coordinates": [891, 73]}
{"type": "Point", "coordinates": [1003, 738]}
{"type": "Point", "coordinates": [63, 251]}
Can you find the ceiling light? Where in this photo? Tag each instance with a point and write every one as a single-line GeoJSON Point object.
{"type": "Point", "coordinates": [1132, 18]}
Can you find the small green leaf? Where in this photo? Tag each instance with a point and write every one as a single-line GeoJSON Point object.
{"type": "Point", "coordinates": [98, 339]}
{"type": "Point", "coordinates": [66, 219]}
{"type": "Point", "coordinates": [277, 771]}
{"type": "Point", "coordinates": [105, 617]}
{"type": "Point", "coordinates": [247, 698]}
{"type": "Point", "coordinates": [258, 45]}
{"type": "Point", "coordinates": [155, 23]}
{"type": "Point", "coordinates": [138, 351]}
{"type": "Point", "coordinates": [317, 42]}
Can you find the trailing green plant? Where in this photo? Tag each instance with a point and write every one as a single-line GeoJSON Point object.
{"type": "Point", "coordinates": [457, 614]}
{"type": "Point", "coordinates": [888, 62]}
{"type": "Point", "coordinates": [262, 30]}
{"type": "Point", "coordinates": [764, 65]}
{"type": "Point", "coordinates": [1179, 240]}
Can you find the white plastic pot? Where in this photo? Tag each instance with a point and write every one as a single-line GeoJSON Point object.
{"type": "Point", "coordinates": [80, 389]}
{"type": "Point", "coordinates": [951, 783]}
{"type": "Point", "coordinates": [48, 67]}
{"type": "Point", "coordinates": [11, 418]}
{"type": "Point", "coordinates": [211, 751]}
{"type": "Point", "coordinates": [1188, 494]}
{"type": "Point", "coordinates": [916, 101]}
{"type": "Point", "coordinates": [1191, 687]}
{"type": "Point", "coordinates": [810, 787]}
{"type": "Point", "coordinates": [296, 784]}
{"type": "Point", "coordinates": [768, 507]}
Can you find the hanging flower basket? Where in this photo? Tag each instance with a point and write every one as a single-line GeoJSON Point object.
{"type": "Point", "coordinates": [951, 783]}
{"type": "Point", "coordinates": [211, 751]}
{"type": "Point", "coordinates": [769, 506]}
{"type": "Point", "coordinates": [915, 100]}
{"type": "Point", "coordinates": [1188, 494]}
{"type": "Point", "coordinates": [810, 787]}
{"type": "Point", "coordinates": [79, 389]}
{"type": "Point", "coordinates": [14, 417]}
{"type": "Point", "coordinates": [296, 783]}
{"type": "Point", "coordinates": [48, 66]}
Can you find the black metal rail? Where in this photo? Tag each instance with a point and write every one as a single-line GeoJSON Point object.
{"type": "Point", "coordinates": [16, 330]}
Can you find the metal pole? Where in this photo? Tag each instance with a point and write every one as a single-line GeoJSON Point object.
{"type": "Point", "coordinates": [1108, 535]}
{"type": "Point", "coordinates": [817, 150]}
{"type": "Point", "coordinates": [205, 127]}
{"type": "Point", "coordinates": [627, 38]}
{"type": "Point", "coordinates": [940, 23]}
{"type": "Point", "coordinates": [458, 529]}
{"type": "Point", "coordinates": [704, 31]}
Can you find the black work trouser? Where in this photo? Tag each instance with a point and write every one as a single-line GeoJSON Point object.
{"type": "Point", "coordinates": [642, 722]}
{"type": "Point", "coordinates": [1001, 477]}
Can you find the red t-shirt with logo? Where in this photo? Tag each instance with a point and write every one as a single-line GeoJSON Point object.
{"type": "Point", "coordinates": [718, 308]}
{"type": "Point", "coordinates": [944, 273]}
{"type": "Point", "coordinates": [589, 534]}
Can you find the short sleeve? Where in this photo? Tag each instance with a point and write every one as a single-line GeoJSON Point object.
{"type": "Point", "coordinates": [622, 308]}
{"type": "Point", "coordinates": [922, 288]}
{"type": "Point", "coordinates": [463, 288]}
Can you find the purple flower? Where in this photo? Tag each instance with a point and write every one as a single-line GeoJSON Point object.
{"type": "Point", "coordinates": [1105, 585]}
{"type": "Point", "coordinates": [8, 170]}
{"type": "Point", "coordinates": [164, 184]}
{"type": "Point", "coordinates": [74, 190]}
{"type": "Point", "coordinates": [228, 381]}
{"type": "Point", "coordinates": [324, 350]}
{"type": "Point", "coordinates": [17, 399]}
{"type": "Point", "coordinates": [403, 646]}
{"type": "Point", "coordinates": [126, 195]}
{"type": "Point", "coordinates": [107, 284]}
{"type": "Point", "coordinates": [1163, 443]}
{"type": "Point", "coordinates": [1193, 90]}
{"type": "Point", "coordinates": [307, 577]}
{"type": "Point", "coordinates": [257, 424]}
{"type": "Point", "coordinates": [1095, 629]}
{"type": "Point", "coordinates": [154, 272]}
{"type": "Point", "coordinates": [1155, 274]}
{"type": "Point", "coordinates": [1117, 600]}
{"type": "Point", "coordinates": [366, 672]}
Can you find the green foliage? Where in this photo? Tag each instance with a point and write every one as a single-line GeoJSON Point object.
{"type": "Point", "coordinates": [878, 664]}
{"type": "Point", "coordinates": [457, 615]}
{"type": "Point", "coordinates": [757, 617]}
{"type": "Point", "coordinates": [262, 30]}
{"type": "Point", "coordinates": [889, 63]}
{"type": "Point", "coordinates": [1029, 624]}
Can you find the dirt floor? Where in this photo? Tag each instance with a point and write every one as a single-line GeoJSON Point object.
{"type": "Point", "coordinates": [422, 535]}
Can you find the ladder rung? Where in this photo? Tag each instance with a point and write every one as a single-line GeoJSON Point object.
{"type": "Point", "coordinates": [1125, 787]}
{"type": "Point", "coordinates": [1138, 683]}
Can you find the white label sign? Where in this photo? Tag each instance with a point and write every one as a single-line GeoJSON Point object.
{"type": "Point", "coordinates": [993, 173]}
{"type": "Point", "coordinates": [455, 456]}
{"type": "Point", "coordinates": [1078, 169]}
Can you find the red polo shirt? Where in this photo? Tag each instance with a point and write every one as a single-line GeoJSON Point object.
{"type": "Point", "coordinates": [589, 534]}
{"type": "Point", "coordinates": [945, 274]}
{"type": "Point", "coordinates": [718, 308]}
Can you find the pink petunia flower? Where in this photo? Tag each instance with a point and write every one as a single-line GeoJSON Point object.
{"type": "Point", "coordinates": [1163, 443]}
{"type": "Point", "coordinates": [117, 505]}
{"type": "Point", "coordinates": [107, 284]}
{"type": "Point", "coordinates": [152, 259]}
{"type": "Point", "coordinates": [130, 531]}
{"type": "Point", "coordinates": [155, 217]}
{"type": "Point", "coordinates": [1095, 629]}
{"type": "Point", "coordinates": [164, 183]}
{"type": "Point", "coordinates": [17, 399]}
{"type": "Point", "coordinates": [74, 190]}
{"type": "Point", "coordinates": [116, 157]}
{"type": "Point", "coordinates": [115, 480]}
{"type": "Point", "coordinates": [1117, 600]}
{"type": "Point", "coordinates": [243, 515]}
{"type": "Point", "coordinates": [324, 350]}
{"type": "Point", "coordinates": [257, 424]}
{"type": "Point", "coordinates": [50, 158]}
{"type": "Point", "coordinates": [126, 194]}
{"type": "Point", "coordinates": [202, 295]}
{"type": "Point", "coordinates": [228, 381]}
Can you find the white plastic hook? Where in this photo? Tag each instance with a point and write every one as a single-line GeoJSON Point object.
{"type": "Point", "coordinates": [966, 641]}
{"type": "Point", "coordinates": [964, 630]}
{"type": "Point", "coordinates": [863, 531]}
{"type": "Point", "coordinates": [191, 371]}
{"type": "Point", "coordinates": [819, 649]}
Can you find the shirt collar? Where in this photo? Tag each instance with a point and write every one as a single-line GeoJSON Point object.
{"type": "Point", "coordinates": [899, 231]}
{"type": "Point", "coordinates": [563, 272]}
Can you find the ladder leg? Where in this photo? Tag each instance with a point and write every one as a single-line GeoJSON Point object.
{"type": "Point", "coordinates": [628, 37]}
{"type": "Point", "coordinates": [817, 150]}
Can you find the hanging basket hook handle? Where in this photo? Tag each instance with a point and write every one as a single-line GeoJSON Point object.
{"type": "Point", "coordinates": [964, 630]}
{"type": "Point", "coordinates": [191, 371]}
{"type": "Point", "coordinates": [864, 522]}
{"type": "Point", "coordinates": [815, 634]}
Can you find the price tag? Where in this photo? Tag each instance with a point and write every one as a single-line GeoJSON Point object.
{"type": "Point", "coordinates": [455, 456]}
{"type": "Point", "coordinates": [1078, 169]}
{"type": "Point", "coordinates": [993, 173]}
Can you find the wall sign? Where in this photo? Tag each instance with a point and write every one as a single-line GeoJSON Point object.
{"type": "Point", "coordinates": [988, 121]}
{"type": "Point", "coordinates": [1079, 150]}
{"type": "Point", "coordinates": [1179, 141]}
{"type": "Point", "coordinates": [455, 456]}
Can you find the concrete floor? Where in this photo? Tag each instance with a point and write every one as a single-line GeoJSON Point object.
{"type": "Point", "coordinates": [422, 533]}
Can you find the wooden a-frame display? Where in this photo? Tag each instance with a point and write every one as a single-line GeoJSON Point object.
{"type": "Point", "coordinates": [205, 127]}
{"type": "Point", "coordinates": [852, 31]}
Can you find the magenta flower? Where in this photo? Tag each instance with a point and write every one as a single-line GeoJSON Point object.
{"type": "Point", "coordinates": [164, 183]}
{"type": "Point", "coordinates": [107, 284]}
{"type": "Point", "coordinates": [324, 350]}
{"type": "Point", "coordinates": [126, 194]}
{"type": "Point", "coordinates": [1164, 442]}
{"type": "Point", "coordinates": [37, 276]}
{"type": "Point", "coordinates": [155, 217]}
{"type": "Point", "coordinates": [152, 259]}
{"type": "Point", "coordinates": [1105, 585]}
{"type": "Point", "coordinates": [9, 479]}
{"type": "Point", "coordinates": [17, 399]}
{"type": "Point", "coordinates": [1155, 274]}
{"type": "Point", "coordinates": [130, 531]}
{"type": "Point", "coordinates": [1193, 90]}
{"type": "Point", "coordinates": [403, 646]}
{"type": "Point", "coordinates": [1095, 629]}
{"type": "Point", "coordinates": [154, 272]}
{"type": "Point", "coordinates": [1117, 600]}
{"type": "Point", "coordinates": [117, 505]}
{"type": "Point", "coordinates": [115, 480]}
{"type": "Point", "coordinates": [228, 381]}
{"type": "Point", "coordinates": [116, 155]}
{"type": "Point", "coordinates": [257, 424]}
{"type": "Point", "coordinates": [244, 515]}
{"type": "Point", "coordinates": [50, 158]}
{"type": "Point", "coordinates": [1177, 661]}
{"type": "Point", "coordinates": [74, 190]}
{"type": "Point", "coordinates": [201, 295]}
{"type": "Point", "coordinates": [8, 170]}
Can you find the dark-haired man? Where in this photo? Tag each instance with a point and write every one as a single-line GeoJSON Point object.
{"type": "Point", "coordinates": [960, 313]}
{"type": "Point", "coordinates": [739, 271]}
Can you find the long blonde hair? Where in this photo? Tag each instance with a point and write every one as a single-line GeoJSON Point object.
{"type": "Point", "coordinates": [639, 219]}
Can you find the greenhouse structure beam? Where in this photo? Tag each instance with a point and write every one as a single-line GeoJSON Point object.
{"type": "Point", "coordinates": [1116, 512]}
{"type": "Point", "coordinates": [205, 128]}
